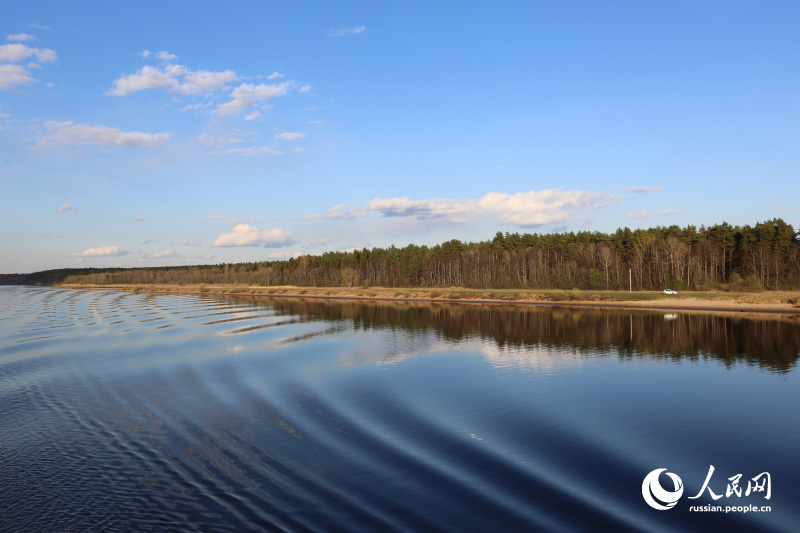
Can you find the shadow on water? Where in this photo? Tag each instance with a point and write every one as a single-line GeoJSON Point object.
{"type": "Point", "coordinates": [772, 344]}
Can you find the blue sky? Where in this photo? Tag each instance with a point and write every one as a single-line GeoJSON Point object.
{"type": "Point", "coordinates": [196, 132]}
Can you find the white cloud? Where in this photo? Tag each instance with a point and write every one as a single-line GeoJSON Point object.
{"type": "Point", "coordinates": [12, 75]}
{"type": "Point", "coordinates": [102, 251]}
{"type": "Point", "coordinates": [640, 215]}
{"type": "Point", "coordinates": [318, 242]}
{"type": "Point", "coordinates": [196, 107]}
{"type": "Point", "coordinates": [166, 56]}
{"type": "Point", "coordinates": [16, 53]}
{"type": "Point", "coordinates": [161, 255]}
{"type": "Point", "coordinates": [290, 136]}
{"type": "Point", "coordinates": [336, 212]}
{"type": "Point", "coordinates": [639, 189]}
{"type": "Point", "coordinates": [176, 79]}
{"type": "Point", "coordinates": [317, 122]}
{"type": "Point", "coordinates": [145, 78]}
{"type": "Point", "coordinates": [145, 241]}
{"type": "Point", "coordinates": [531, 208]}
{"type": "Point", "coordinates": [347, 31]}
{"type": "Point", "coordinates": [20, 37]}
{"type": "Point", "coordinates": [179, 79]}
{"type": "Point", "coordinates": [664, 212]}
{"type": "Point", "coordinates": [210, 140]}
{"type": "Point", "coordinates": [202, 81]}
{"type": "Point", "coordinates": [68, 133]}
{"type": "Point", "coordinates": [190, 242]}
{"type": "Point", "coordinates": [253, 151]}
{"type": "Point", "coordinates": [246, 235]}
{"type": "Point", "coordinates": [246, 95]}
{"type": "Point", "coordinates": [65, 207]}
{"type": "Point", "coordinates": [138, 218]}
{"type": "Point", "coordinates": [297, 149]}
{"type": "Point", "coordinates": [163, 56]}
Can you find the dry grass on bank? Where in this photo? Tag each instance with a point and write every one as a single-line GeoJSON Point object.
{"type": "Point", "coordinates": [777, 299]}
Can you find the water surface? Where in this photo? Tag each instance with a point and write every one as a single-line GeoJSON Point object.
{"type": "Point", "coordinates": [127, 411]}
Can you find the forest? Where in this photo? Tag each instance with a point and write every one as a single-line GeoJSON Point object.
{"type": "Point", "coordinates": [763, 256]}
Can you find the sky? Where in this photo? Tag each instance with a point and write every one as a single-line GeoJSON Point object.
{"type": "Point", "coordinates": [174, 133]}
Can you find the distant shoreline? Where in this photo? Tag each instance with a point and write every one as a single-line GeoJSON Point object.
{"type": "Point", "coordinates": [706, 302]}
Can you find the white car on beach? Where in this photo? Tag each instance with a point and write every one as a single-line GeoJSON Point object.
{"type": "Point", "coordinates": [670, 291]}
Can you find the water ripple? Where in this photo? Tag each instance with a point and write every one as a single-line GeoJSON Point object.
{"type": "Point", "coordinates": [128, 411]}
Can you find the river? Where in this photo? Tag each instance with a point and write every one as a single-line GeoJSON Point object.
{"type": "Point", "coordinates": [134, 412]}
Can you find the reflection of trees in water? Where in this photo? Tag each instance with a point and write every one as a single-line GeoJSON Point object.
{"type": "Point", "coordinates": [769, 343]}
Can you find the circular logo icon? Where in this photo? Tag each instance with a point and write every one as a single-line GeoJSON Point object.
{"type": "Point", "coordinates": [656, 496]}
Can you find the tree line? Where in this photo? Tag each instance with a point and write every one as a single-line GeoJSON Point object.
{"type": "Point", "coordinates": [763, 256]}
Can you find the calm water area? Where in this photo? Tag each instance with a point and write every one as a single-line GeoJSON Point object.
{"type": "Point", "coordinates": [157, 412]}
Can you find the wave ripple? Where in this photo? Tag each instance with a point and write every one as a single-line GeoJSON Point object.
{"type": "Point", "coordinates": [123, 411]}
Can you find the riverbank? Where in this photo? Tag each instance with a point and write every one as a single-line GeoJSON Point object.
{"type": "Point", "coordinates": [776, 302]}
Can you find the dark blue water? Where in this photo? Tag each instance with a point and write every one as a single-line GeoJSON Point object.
{"type": "Point", "coordinates": [136, 412]}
